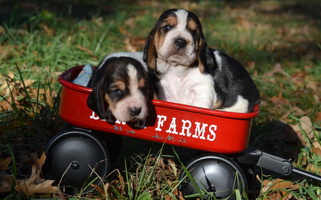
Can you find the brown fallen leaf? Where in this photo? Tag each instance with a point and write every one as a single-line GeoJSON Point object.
{"type": "Point", "coordinates": [304, 129]}
{"type": "Point", "coordinates": [108, 189]}
{"type": "Point", "coordinates": [99, 21]}
{"type": "Point", "coordinates": [178, 194]}
{"type": "Point", "coordinates": [311, 167]}
{"type": "Point", "coordinates": [29, 188]}
{"type": "Point", "coordinates": [4, 163]}
{"type": "Point", "coordinates": [278, 184]}
{"type": "Point", "coordinates": [6, 182]}
{"type": "Point", "coordinates": [276, 70]}
{"type": "Point", "coordinates": [86, 50]}
{"type": "Point", "coordinates": [316, 150]}
{"type": "Point", "coordinates": [35, 184]}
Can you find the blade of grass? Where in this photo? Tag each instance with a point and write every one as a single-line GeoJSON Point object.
{"type": "Point", "coordinates": [24, 88]}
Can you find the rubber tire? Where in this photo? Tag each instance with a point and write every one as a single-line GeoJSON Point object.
{"type": "Point", "coordinates": [212, 173]}
{"type": "Point", "coordinates": [71, 157]}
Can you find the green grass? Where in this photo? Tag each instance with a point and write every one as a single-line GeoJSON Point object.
{"type": "Point", "coordinates": [41, 39]}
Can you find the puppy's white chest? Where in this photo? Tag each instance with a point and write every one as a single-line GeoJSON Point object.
{"type": "Point", "coordinates": [187, 86]}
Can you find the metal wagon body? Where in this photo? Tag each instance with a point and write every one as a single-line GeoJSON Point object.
{"type": "Point", "coordinates": [175, 124]}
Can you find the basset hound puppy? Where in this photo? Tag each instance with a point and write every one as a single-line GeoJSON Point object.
{"type": "Point", "coordinates": [190, 72]}
{"type": "Point", "coordinates": [120, 84]}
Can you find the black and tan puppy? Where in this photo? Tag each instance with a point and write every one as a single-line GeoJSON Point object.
{"type": "Point", "coordinates": [120, 85]}
{"type": "Point", "coordinates": [192, 73]}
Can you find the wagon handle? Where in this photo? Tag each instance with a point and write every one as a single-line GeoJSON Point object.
{"type": "Point", "coordinates": [274, 164]}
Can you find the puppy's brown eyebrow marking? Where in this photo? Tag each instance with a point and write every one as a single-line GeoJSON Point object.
{"type": "Point", "coordinates": [170, 20]}
{"type": "Point", "coordinates": [141, 83]}
{"type": "Point", "coordinates": [120, 85]}
{"type": "Point", "coordinates": [191, 25]}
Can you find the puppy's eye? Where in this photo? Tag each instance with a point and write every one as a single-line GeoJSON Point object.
{"type": "Point", "coordinates": [117, 92]}
{"type": "Point", "coordinates": [144, 89]}
{"type": "Point", "coordinates": [167, 28]}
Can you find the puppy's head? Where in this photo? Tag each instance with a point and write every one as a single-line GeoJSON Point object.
{"type": "Point", "coordinates": [177, 39]}
{"type": "Point", "coordinates": [120, 85]}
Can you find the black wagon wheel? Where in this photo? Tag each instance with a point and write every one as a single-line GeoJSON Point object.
{"type": "Point", "coordinates": [212, 176]}
{"type": "Point", "coordinates": [76, 157]}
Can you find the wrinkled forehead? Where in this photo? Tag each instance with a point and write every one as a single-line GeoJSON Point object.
{"type": "Point", "coordinates": [180, 18]}
{"type": "Point", "coordinates": [129, 75]}
{"type": "Point", "coordinates": [128, 72]}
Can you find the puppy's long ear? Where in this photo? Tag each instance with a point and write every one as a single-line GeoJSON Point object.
{"type": "Point", "coordinates": [96, 100]}
{"type": "Point", "coordinates": [205, 55]}
{"type": "Point", "coordinates": [150, 53]}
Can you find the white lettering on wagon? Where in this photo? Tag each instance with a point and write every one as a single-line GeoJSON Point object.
{"type": "Point", "coordinates": [139, 123]}
{"type": "Point", "coordinates": [93, 116]}
{"type": "Point", "coordinates": [201, 131]}
{"type": "Point", "coordinates": [186, 128]}
{"type": "Point", "coordinates": [181, 127]}
{"type": "Point", "coordinates": [172, 127]}
{"type": "Point", "coordinates": [160, 122]}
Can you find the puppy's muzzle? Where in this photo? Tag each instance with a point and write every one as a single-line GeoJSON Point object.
{"type": "Point", "coordinates": [180, 42]}
{"type": "Point", "coordinates": [134, 111]}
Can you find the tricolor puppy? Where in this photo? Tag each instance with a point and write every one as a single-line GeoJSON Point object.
{"type": "Point", "coordinates": [120, 84]}
{"type": "Point", "coordinates": [190, 72]}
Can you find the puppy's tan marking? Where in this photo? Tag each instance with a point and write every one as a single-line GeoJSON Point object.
{"type": "Point", "coordinates": [171, 20]}
{"type": "Point", "coordinates": [158, 40]}
{"type": "Point", "coordinates": [191, 25]}
{"type": "Point", "coordinates": [110, 102]}
{"type": "Point", "coordinates": [141, 83]}
{"type": "Point", "coordinates": [120, 85]}
{"type": "Point", "coordinates": [217, 104]}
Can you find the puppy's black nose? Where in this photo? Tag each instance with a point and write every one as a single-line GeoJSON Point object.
{"type": "Point", "coordinates": [135, 111]}
{"type": "Point", "coordinates": [180, 42]}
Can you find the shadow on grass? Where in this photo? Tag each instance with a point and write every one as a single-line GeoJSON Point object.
{"type": "Point", "coordinates": [16, 12]}
{"type": "Point", "coordinates": [309, 9]}
{"type": "Point", "coordinates": [19, 12]}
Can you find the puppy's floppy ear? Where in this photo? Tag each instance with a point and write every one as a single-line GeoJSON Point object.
{"type": "Point", "coordinates": [150, 53]}
{"type": "Point", "coordinates": [205, 56]}
{"type": "Point", "coordinates": [96, 100]}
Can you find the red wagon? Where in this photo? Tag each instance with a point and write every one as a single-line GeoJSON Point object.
{"type": "Point", "coordinates": [72, 154]}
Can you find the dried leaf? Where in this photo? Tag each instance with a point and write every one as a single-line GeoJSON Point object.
{"type": "Point", "coordinates": [99, 189]}
{"type": "Point", "coordinates": [313, 168]}
{"type": "Point", "coordinates": [61, 195]}
{"type": "Point", "coordinates": [316, 151]}
{"type": "Point", "coordinates": [318, 118]}
{"type": "Point", "coordinates": [122, 184]}
{"type": "Point", "coordinates": [316, 144]}
{"type": "Point", "coordinates": [279, 100]}
{"type": "Point", "coordinates": [35, 184]}
{"type": "Point", "coordinates": [172, 164]}
{"type": "Point", "coordinates": [6, 182]}
{"type": "Point", "coordinates": [29, 187]}
{"type": "Point", "coordinates": [134, 43]}
{"type": "Point", "coordinates": [244, 24]}
{"type": "Point", "coordinates": [276, 70]}
{"type": "Point", "coordinates": [304, 128]}
{"type": "Point", "coordinates": [49, 31]}
{"type": "Point", "coordinates": [2, 30]}
{"type": "Point", "coordinates": [41, 160]}
{"type": "Point", "coordinates": [4, 163]}
{"type": "Point", "coordinates": [98, 21]}
{"type": "Point", "coordinates": [84, 49]}
{"type": "Point", "coordinates": [279, 184]}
